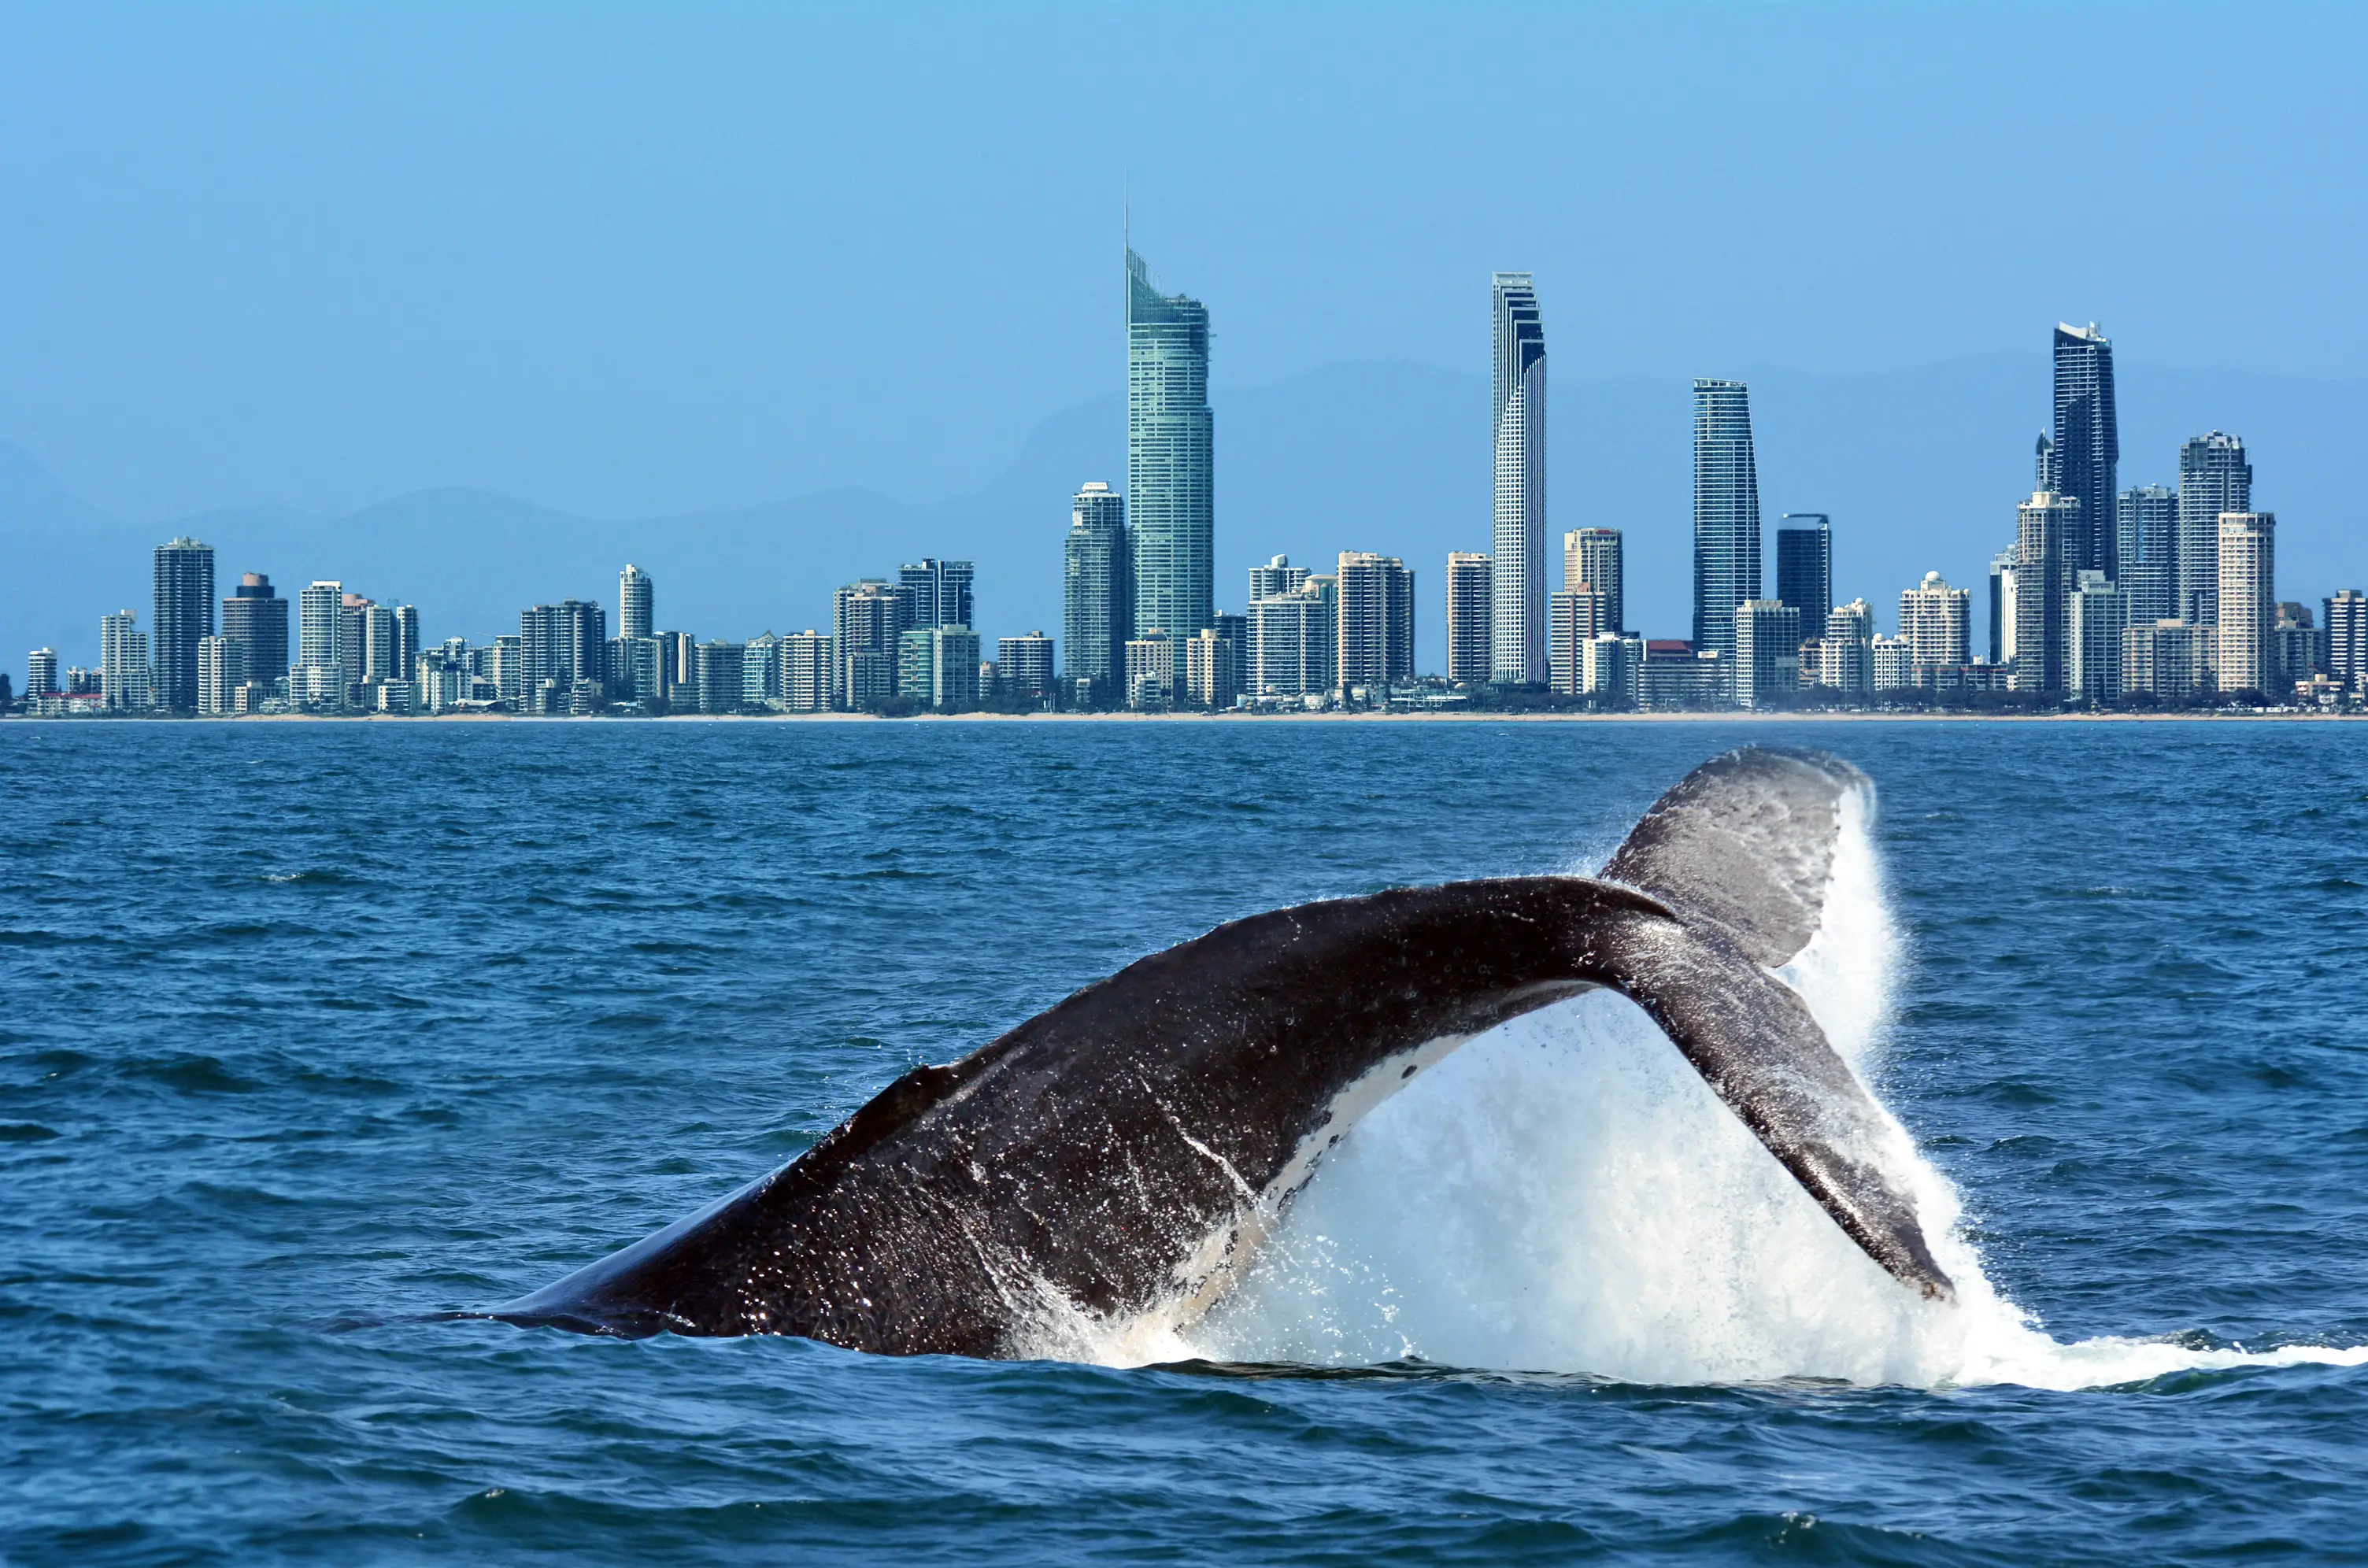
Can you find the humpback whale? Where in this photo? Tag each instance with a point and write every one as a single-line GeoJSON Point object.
{"type": "Point", "coordinates": [1124, 1151]}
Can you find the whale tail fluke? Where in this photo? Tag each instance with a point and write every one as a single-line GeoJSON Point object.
{"type": "Point", "coordinates": [1744, 844]}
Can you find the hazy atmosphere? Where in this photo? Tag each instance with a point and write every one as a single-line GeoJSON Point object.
{"type": "Point", "coordinates": [826, 290]}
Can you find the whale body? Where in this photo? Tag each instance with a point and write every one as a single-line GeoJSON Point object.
{"type": "Point", "coordinates": [1124, 1151]}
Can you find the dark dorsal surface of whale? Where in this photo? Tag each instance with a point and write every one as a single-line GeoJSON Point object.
{"type": "Point", "coordinates": [1124, 1151]}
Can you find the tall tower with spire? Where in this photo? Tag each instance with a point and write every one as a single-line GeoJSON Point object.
{"type": "Point", "coordinates": [1518, 579]}
{"type": "Point", "coordinates": [1171, 477]}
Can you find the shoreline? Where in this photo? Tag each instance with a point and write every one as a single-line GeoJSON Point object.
{"type": "Point", "coordinates": [1736, 716]}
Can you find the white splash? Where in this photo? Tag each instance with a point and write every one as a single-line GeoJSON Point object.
{"type": "Point", "coordinates": [1565, 1194]}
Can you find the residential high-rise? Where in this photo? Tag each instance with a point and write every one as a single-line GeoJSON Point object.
{"type": "Point", "coordinates": [2045, 526]}
{"type": "Point", "coordinates": [2145, 533]}
{"type": "Point", "coordinates": [558, 646]}
{"type": "Point", "coordinates": [2343, 641]}
{"type": "Point", "coordinates": [1767, 652]}
{"type": "Point", "coordinates": [406, 639]}
{"type": "Point", "coordinates": [1292, 638]}
{"type": "Point", "coordinates": [2214, 477]}
{"type": "Point", "coordinates": [1936, 621]}
{"type": "Point", "coordinates": [257, 617]}
{"type": "Point", "coordinates": [1591, 557]}
{"type": "Point", "coordinates": [2002, 606]}
{"type": "Point", "coordinates": [1609, 668]}
{"type": "Point", "coordinates": [761, 669]}
{"type": "Point", "coordinates": [2295, 644]}
{"type": "Point", "coordinates": [722, 671]}
{"type": "Point", "coordinates": [1805, 566]}
{"type": "Point", "coordinates": [1726, 513]}
{"type": "Point", "coordinates": [1236, 630]}
{"type": "Point", "coordinates": [2247, 593]}
{"type": "Point", "coordinates": [2094, 636]}
{"type": "Point", "coordinates": [41, 672]}
{"type": "Point", "coordinates": [2088, 444]}
{"type": "Point", "coordinates": [185, 612]}
{"type": "Point", "coordinates": [2166, 660]}
{"type": "Point", "coordinates": [1170, 468]}
{"type": "Point", "coordinates": [1277, 576]}
{"type": "Point", "coordinates": [1846, 650]}
{"type": "Point", "coordinates": [937, 666]}
{"type": "Point", "coordinates": [123, 670]}
{"type": "Point", "coordinates": [636, 603]}
{"type": "Point", "coordinates": [1517, 579]}
{"type": "Point", "coordinates": [1150, 671]}
{"type": "Point", "coordinates": [381, 644]}
{"type": "Point", "coordinates": [1027, 665]}
{"type": "Point", "coordinates": [806, 681]}
{"type": "Point", "coordinates": [868, 616]}
{"type": "Point", "coordinates": [1575, 617]}
{"type": "Point", "coordinates": [318, 679]}
{"type": "Point", "coordinates": [1468, 640]}
{"type": "Point", "coordinates": [1097, 602]}
{"type": "Point", "coordinates": [1209, 665]}
{"type": "Point", "coordinates": [940, 590]}
{"type": "Point", "coordinates": [221, 670]}
{"type": "Point", "coordinates": [1376, 632]}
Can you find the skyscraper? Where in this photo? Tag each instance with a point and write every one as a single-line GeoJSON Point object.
{"type": "Point", "coordinates": [2343, 647]}
{"type": "Point", "coordinates": [185, 612]}
{"type": "Point", "coordinates": [1294, 640]}
{"type": "Point", "coordinates": [1468, 650]}
{"type": "Point", "coordinates": [2246, 592]}
{"type": "Point", "coordinates": [867, 618]}
{"type": "Point", "coordinates": [2094, 636]}
{"type": "Point", "coordinates": [1518, 578]}
{"type": "Point", "coordinates": [2002, 606]}
{"type": "Point", "coordinates": [221, 670]}
{"type": "Point", "coordinates": [1727, 512]}
{"type": "Point", "coordinates": [1767, 650]}
{"type": "Point", "coordinates": [1277, 576]}
{"type": "Point", "coordinates": [2214, 477]}
{"type": "Point", "coordinates": [2044, 529]}
{"type": "Point", "coordinates": [636, 602]}
{"type": "Point", "coordinates": [1376, 632]}
{"type": "Point", "coordinates": [2087, 443]}
{"type": "Point", "coordinates": [560, 645]}
{"type": "Point", "coordinates": [1027, 664]}
{"type": "Point", "coordinates": [1934, 619]}
{"type": "Point", "coordinates": [1805, 566]}
{"type": "Point", "coordinates": [806, 671]}
{"type": "Point", "coordinates": [318, 679]}
{"type": "Point", "coordinates": [123, 671]}
{"type": "Point", "coordinates": [381, 644]}
{"type": "Point", "coordinates": [2146, 532]}
{"type": "Point", "coordinates": [257, 617]}
{"type": "Point", "coordinates": [940, 590]}
{"type": "Point", "coordinates": [1170, 469]}
{"type": "Point", "coordinates": [1592, 557]}
{"type": "Point", "coordinates": [1097, 602]}
{"type": "Point", "coordinates": [1574, 618]}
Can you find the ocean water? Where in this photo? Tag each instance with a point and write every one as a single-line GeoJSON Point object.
{"type": "Point", "coordinates": [308, 1025]}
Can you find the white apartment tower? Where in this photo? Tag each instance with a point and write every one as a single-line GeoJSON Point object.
{"type": "Point", "coordinates": [2247, 594]}
{"type": "Point", "coordinates": [1469, 654]}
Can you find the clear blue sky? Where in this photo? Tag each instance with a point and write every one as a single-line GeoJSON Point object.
{"type": "Point", "coordinates": [630, 259]}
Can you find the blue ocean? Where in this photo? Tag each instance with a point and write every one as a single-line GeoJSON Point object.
{"type": "Point", "coordinates": [310, 1029]}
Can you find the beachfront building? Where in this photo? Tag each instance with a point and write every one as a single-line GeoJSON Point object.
{"type": "Point", "coordinates": [2095, 639]}
{"type": "Point", "coordinates": [1591, 557]}
{"type": "Point", "coordinates": [1468, 636]}
{"type": "Point", "coordinates": [2086, 452]}
{"type": "Point", "coordinates": [1518, 578]}
{"type": "Point", "coordinates": [1097, 601]}
{"type": "Point", "coordinates": [1727, 518]}
{"type": "Point", "coordinates": [185, 616]}
{"type": "Point", "coordinates": [123, 671]}
{"type": "Point", "coordinates": [2214, 478]}
{"type": "Point", "coordinates": [2041, 587]}
{"type": "Point", "coordinates": [1025, 664]}
{"type": "Point", "coordinates": [1293, 639]}
{"type": "Point", "coordinates": [1375, 637]}
{"type": "Point", "coordinates": [1170, 480]}
{"type": "Point", "coordinates": [1805, 564]}
{"type": "Point", "coordinates": [2246, 596]}
{"type": "Point", "coordinates": [1151, 672]}
{"type": "Point", "coordinates": [1575, 617]}
{"type": "Point", "coordinates": [1767, 652]}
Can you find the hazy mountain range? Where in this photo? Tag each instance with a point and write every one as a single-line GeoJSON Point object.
{"type": "Point", "coordinates": [1920, 470]}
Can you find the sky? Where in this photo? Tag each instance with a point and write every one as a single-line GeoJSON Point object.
{"type": "Point", "coordinates": [634, 261]}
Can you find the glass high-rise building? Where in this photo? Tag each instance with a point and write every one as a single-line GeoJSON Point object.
{"type": "Point", "coordinates": [2214, 477]}
{"type": "Point", "coordinates": [185, 614]}
{"type": "Point", "coordinates": [941, 591]}
{"type": "Point", "coordinates": [636, 603]}
{"type": "Point", "coordinates": [2145, 533]}
{"type": "Point", "coordinates": [1097, 601]}
{"type": "Point", "coordinates": [1727, 512]}
{"type": "Point", "coordinates": [255, 615]}
{"type": "Point", "coordinates": [1591, 557]}
{"type": "Point", "coordinates": [1468, 617]}
{"type": "Point", "coordinates": [1517, 577]}
{"type": "Point", "coordinates": [2088, 448]}
{"type": "Point", "coordinates": [1805, 566]}
{"type": "Point", "coordinates": [1170, 470]}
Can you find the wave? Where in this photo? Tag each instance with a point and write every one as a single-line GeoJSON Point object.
{"type": "Point", "coordinates": [1565, 1195]}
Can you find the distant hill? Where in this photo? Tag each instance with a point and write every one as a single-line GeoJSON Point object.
{"type": "Point", "coordinates": [1920, 470]}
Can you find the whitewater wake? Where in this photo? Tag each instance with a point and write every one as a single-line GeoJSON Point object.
{"type": "Point", "coordinates": [1565, 1195]}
